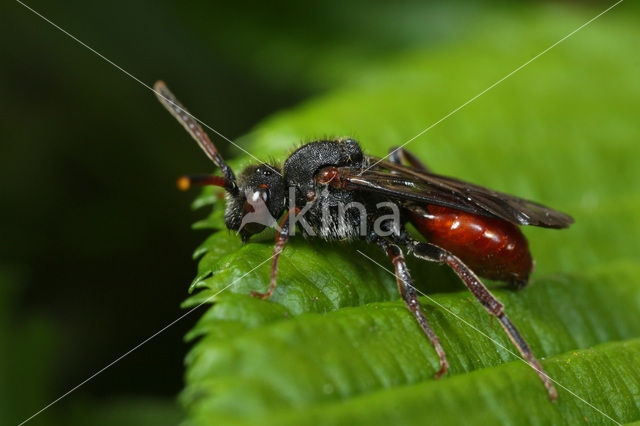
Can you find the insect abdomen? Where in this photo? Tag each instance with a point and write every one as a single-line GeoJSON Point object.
{"type": "Point", "coordinates": [492, 248]}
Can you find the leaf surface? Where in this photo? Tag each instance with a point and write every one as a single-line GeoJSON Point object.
{"type": "Point", "coordinates": [335, 345]}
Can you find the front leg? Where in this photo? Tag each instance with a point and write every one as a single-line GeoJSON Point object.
{"type": "Point", "coordinates": [434, 253]}
{"type": "Point", "coordinates": [282, 237]}
{"type": "Point", "coordinates": [408, 293]}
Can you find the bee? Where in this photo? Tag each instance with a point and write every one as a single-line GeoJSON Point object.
{"type": "Point", "coordinates": [472, 229]}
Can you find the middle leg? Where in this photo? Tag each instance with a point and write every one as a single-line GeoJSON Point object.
{"type": "Point", "coordinates": [408, 293]}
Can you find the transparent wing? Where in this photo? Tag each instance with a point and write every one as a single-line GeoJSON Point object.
{"type": "Point", "coordinates": [410, 185]}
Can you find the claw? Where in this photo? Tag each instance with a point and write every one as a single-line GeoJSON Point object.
{"type": "Point", "coordinates": [260, 295]}
{"type": "Point", "coordinates": [444, 365]}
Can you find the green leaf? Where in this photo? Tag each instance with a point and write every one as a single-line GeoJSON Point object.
{"type": "Point", "coordinates": [335, 345]}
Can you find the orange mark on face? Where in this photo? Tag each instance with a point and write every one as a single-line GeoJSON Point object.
{"type": "Point", "coordinates": [183, 183]}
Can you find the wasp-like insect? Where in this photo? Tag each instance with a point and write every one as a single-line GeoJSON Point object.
{"type": "Point", "coordinates": [472, 229]}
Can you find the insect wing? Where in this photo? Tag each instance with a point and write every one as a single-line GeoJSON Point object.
{"type": "Point", "coordinates": [413, 186]}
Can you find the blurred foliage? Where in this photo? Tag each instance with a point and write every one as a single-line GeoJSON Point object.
{"type": "Point", "coordinates": [335, 346]}
{"type": "Point", "coordinates": [33, 341]}
{"type": "Point", "coordinates": [27, 371]}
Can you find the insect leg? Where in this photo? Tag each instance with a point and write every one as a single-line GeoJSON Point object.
{"type": "Point", "coordinates": [282, 237]}
{"type": "Point", "coordinates": [408, 293]}
{"type": "Point", "coordinates": [398, 155]}
{"type": "Point", "coordinates": [434, 253]}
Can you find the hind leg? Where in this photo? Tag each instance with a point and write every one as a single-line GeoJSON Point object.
{"type": "Point", "coordinates": [434, 253]}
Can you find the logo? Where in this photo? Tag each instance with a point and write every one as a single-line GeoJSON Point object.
{"type": "Point", "coordinates": [256, 217]}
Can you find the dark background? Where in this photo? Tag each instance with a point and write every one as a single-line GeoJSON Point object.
{"type": "Point", "coordinates": [96, 241]}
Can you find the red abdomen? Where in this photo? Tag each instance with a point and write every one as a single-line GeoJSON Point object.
{"type": "Point", "coordinates": [492, 248]}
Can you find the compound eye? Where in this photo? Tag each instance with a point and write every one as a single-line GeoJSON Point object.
{"type": "Point", "coordinates": [327, 175]}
